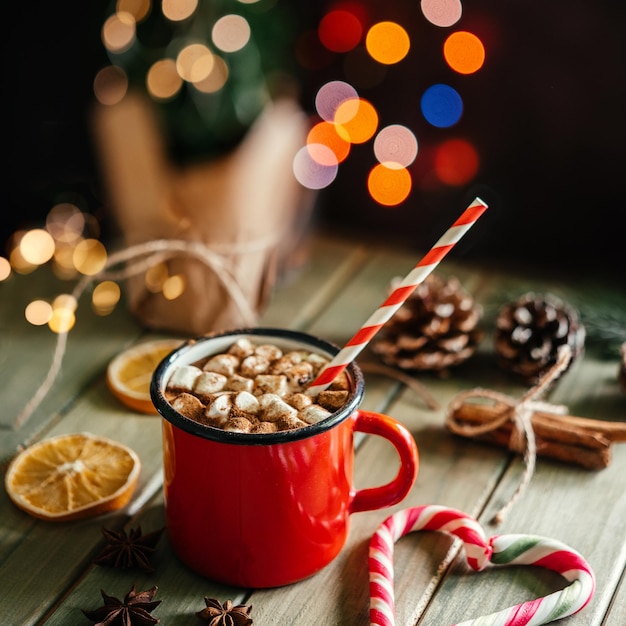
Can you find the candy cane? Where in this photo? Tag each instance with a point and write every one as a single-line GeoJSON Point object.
{"type": "Point", "coordinates": [479, 550]}
{"type": "Point", "coordinates": [397, 298]}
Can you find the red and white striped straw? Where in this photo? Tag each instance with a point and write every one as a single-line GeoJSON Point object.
{"type": "Point", "coordinates": [397, 298]}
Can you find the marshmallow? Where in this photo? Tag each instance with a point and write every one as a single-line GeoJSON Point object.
{"type": "Point", "coordinates": [290, 422]}
{"type": "Point", "coordinates": [183, 378]}
{"type": "Point", "coordinates": [299, 375]}
{"type": "Point", "coordinates": [242, 348]}
{"type": "Point", "coordinates": [246, 402]}
{"type": "Point", "coordinates": [317, 361]}
{"type": "Point", "coordinates": [341, 382]}
{"type": "Point", "coordinates": [264, 427]}
{"type": "Point", "coordinates": [273, 408]}
{"type": "Point", "coordinates": [222, 364]}
{"type": "Point", "coordinates": [238, 425]}
{"type": "Point", "coordinates": [313, 414]}
{"type": "Point", "coordinates": [281, 365]}
{"type": "Point", "coordinates": [271, 383]}
{"type": "Point", "coordinates": [332, 400]}
{"type": "Point", "coordinates": [208, 383]}
{"type": "Point", "coordinates": [257, 389]}
{"type": "Point", "coordinates": [254, 365]}
{"type": "Point", "coordinates": [299, 400]}
{"type": "Point", "coordinates": [239, 383]}
{"type": "Point", "coordinates": [188, 405]}
{"type": "Point", "coordinates": [269, 352]}
{"type": "Point", "coordinates": [219, 408]}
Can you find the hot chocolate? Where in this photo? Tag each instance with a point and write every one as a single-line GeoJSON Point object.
{"type": "Point", "coordinates": [254, 388]}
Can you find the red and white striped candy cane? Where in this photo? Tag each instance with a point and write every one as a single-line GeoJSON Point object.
{"type": "Point", "coordinates": [397, 298]}
{"type": "Point", "coordinates": [498, 550]}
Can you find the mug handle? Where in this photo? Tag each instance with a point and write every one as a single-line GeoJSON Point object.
{"type": "Point", "coordinates": [402, 440]}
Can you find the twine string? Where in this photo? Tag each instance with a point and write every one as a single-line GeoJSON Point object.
{"type": "Point", "coordinates": [519, 412]}
{"type": "Point", "coordinates": [138, 259]}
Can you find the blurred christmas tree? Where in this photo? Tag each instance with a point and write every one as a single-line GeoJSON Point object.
{"type": "Point", "coordinates": [210, 66]}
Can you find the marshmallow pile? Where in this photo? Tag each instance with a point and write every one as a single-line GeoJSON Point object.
{"type": "Point", "coordinates": [255, 389]}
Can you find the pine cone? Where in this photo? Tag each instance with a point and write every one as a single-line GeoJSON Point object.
{"type": "Point", "coordinates": [435, 328]}
{"type": "Point", "coordinates": [621, 375]}
{"type": "Point", "coordinates": [530, 331]}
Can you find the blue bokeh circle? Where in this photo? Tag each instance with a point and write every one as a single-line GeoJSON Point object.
{"type": "Point", "coordinates": [441, 105]}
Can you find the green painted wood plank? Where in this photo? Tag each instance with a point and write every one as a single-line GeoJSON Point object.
{"type": "Point", "coordinates": [583, 509]}
{"type": "Point", "coordinates": [339, 594]}
{"type": "Point", "coordinates": [49, 556]}
{"type": "Point", "coordinates": [616, 615]}
{"type": "Point", "coordinates": [336, 261]}
{"type": "Point", "coordinates": [181, 591]}
{"type": "Point", "coordinates": [26, 353]}
{"type": "Point", "coordinates": [331, 297]}
{"type": "Point", "coordinates": [331, 264]}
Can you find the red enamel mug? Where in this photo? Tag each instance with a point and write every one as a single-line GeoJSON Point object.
{"type": "Point", "coordinates": [266, 510]}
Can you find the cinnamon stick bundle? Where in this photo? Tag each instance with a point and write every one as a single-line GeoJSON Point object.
{"type": "Point", "coordinates": [577, 440]}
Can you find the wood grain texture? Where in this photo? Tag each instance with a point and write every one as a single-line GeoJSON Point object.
{"type": "Point", "coordinates": [46, 569]}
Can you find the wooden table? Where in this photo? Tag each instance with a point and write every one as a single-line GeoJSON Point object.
{"type": "Point", "coordinates": [46, 570]}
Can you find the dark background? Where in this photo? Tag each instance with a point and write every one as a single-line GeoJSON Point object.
{"type": "Point", "coordinates": [547, 113]}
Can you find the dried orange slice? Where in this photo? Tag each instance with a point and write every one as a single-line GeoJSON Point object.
{"type": "Point", "coordinates": [72, 477]}
{"type": "Point", "coordinates": [130, 372]}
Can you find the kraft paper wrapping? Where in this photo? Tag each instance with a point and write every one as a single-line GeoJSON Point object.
{"type": "Point", "coordinates": [245, 206]}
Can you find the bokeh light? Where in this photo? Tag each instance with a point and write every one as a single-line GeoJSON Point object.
{"type": "Point", "coordinates": [118, 32]}
{"type": "Point", "coordinates": [216, 79]}
{"type": "Point", "coordinates": [63, 261]}
{"type": "Point", "coordinates": [62, 320]}
{"type": "Point", "coordinates": [311, 173]}
{"type": "Point", "coordinates": [162, 80]}
{"type": "Point", "coordinates": [110, 85]}
{"type": "Point", "coordinates": [38, 312]}
{"type": "Point", "coordinates": [387, 42]}
{"type": "Point", "coordinates": [230, 33]}
{"type": "Point", "coordinates": [65, 301]}
{"type": "Point", "coordinates": [456, 162]}
{"type": "Point", "coordinates": [356, 126]}
{"type": "Point", "coordinates": [174, 287]}
{"type": "Point", "coordinates": [325, 134]}
{"type": "Point", "coordinates": [65, 222]}
{"type": "Point", "coordinates": [331, 95]}
{"type": "Point", "coordinates": [16, 259]}
{"type": "Point", "coordinates": [442, 12]}
{"type": "Point", "coordinates": [194, 62]}
{"type": "Point", "coordinates": [63, 315]}
{"type": "Point", "coordinates": [5, 268]}
{"type": "Point", "coordinates": [395, 146]}
{"type": "Point", "coordinates": [139, 9]}
{"type": "Point", "coordinates": [105, 297]}
{"type": "Point", "coordinates": [389, 186]}
{"type": "Point", "coordinates": [464, 52]}
{"type": "Point", "coordinates": [178, 10]}
{"type": "Point", "coordinates": [441, 106]}
{"type": "Point", "coordinates": [37, 246]}
{"type": "Point", "coordinates": [368, 53]}
{"type": "Point", "coordinates": [89, 257]}
{"type": "Point", "coordinates": [340, 30]}
{"type": "Point", "coordinates": [155, 276]}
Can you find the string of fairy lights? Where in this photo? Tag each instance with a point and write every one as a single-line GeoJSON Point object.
{"type": "Point", "coordinates": [69, 242]}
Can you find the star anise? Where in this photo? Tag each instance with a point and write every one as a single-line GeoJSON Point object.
{"type": "Point", "coordinates": [128, 550]}
{"type": "Point", "coordinates": [217, 614]}
{"type": "Point", "coordinates": [133, 611]}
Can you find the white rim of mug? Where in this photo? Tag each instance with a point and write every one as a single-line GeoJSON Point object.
{"type": "Point", "coordinates": [213, 433]}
